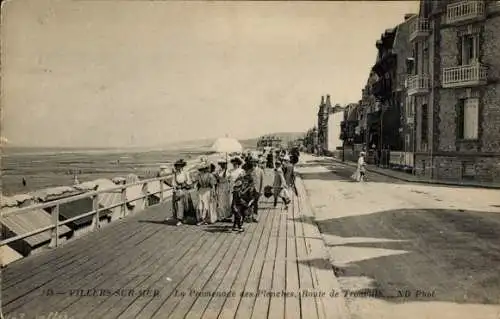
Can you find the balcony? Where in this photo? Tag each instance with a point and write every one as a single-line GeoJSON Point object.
{"type": "Point", "coordinates": [420, 28]}
{"type": "Point", "coordinates": [465, 11]}
{"type": "Point", "coordinates": [418, 84]}
{"type": "Point", "coordinates": [464, 76]}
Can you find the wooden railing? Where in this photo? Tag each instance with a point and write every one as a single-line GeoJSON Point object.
{"type": "Point", "coordinates": [419, 27]}
{"type": "Point", "coordinates": [465, 10]}
{"type": "Point", "coordinates": [417, 84]}
{"type": "Point", "coordinates": [464, 75]}
{"type": "Point", "coordinates": [53, 208]}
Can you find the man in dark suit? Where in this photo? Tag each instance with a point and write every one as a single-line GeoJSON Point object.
{"type": "Point", "coordinates": [258, 177]}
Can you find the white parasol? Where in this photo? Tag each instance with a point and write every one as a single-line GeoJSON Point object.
{"type": "Point", "coordinates": [227, 145]}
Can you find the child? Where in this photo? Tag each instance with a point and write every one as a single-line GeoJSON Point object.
{"type": "Point", "coordinates": [243, 197]}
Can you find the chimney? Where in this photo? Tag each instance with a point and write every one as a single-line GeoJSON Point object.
{"type": "Point", "coordinates": [409, 15]}
{"type": "Point", "coordinates": [328, 100]}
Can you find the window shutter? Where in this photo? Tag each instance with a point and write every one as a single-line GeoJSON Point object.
{"type": "Point", "coordinates": [460, 51]}
{"type": "Point", "coordinates": [459, 125]}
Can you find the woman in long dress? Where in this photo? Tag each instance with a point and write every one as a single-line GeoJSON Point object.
{"type": "Point", "coordinates": [223, 192]}
{"type": "Point", "coordinates": [181, 197]}
{"type": "Point", "coordinates": [206, 194]}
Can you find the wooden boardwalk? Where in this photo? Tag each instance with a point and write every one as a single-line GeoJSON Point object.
{"type": "Point", "coordinates": [140, 267]}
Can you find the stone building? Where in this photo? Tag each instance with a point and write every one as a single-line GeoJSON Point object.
{"type": "Point", "coordinates": [454, 89]}
{"type": "Point", "coordinates": [323, 112]}
{"type": "Point", "coordinates": [335, 118]}
{"type": "Point", "coordinates": [386, 122]}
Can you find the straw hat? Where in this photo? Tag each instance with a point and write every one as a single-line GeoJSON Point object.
{"type": "Point", "coordinates": [180, 163]}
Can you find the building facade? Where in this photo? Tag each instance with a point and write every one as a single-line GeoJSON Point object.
{"type": "Point", "coordinates": [323, 112]}
{"type": "Point", "coordinates": [454, 90]}
{"type": "Point", "coordinates": [335, 118]}
{"type": "Point", "coordinates": [387, 123]}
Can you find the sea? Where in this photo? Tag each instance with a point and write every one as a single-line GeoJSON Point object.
{"type": "Point", "coordinates": [49, 167]}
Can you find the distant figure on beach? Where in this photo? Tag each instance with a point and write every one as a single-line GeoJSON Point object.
{"type": "Point", "coordinates": [24, 182]}
{"type": "Point", "coordinates": [181, 197]}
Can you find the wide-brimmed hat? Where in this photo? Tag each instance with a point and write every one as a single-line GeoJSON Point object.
{"type": "Point", "coordinates": [222, 160]}
{"type": "Point", "coordinates": [247, 166]}
{"type": "Point", "coordinates": [163, 167]}
{"type": "Point", "coordinates": [286, 158]}
{"type": "Point", "coordinates": [204, 166]}
{"type": "Point", "coordinates": [236, 160]}
{"type": "Point", "coordinates": [362, 154]}
{"type": "Point", "coordinates": [180, 163]}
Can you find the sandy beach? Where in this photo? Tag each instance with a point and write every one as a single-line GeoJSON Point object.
{"type": "Point", "coordinates": [47, 168]}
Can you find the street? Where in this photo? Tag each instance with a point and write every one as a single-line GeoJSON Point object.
{"type": "Point", "coordinates": [405, 250]}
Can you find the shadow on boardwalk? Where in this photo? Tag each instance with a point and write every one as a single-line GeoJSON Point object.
{"type": "Point", "coordinates": [453, 253]}
{"type": "Point", "coordinates": [140, 267]}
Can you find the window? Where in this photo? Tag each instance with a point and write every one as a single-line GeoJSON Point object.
{"type": "Point", "coordinates": [468, 170]}
{"type": "Point", "coordinates": [469, 49]}
{"type": "Point", "coordinates": [424, 125]}
{"type": "Point", "coordinates": [407, 139]}
{"type": "Point", "coordinates": [468, 119]}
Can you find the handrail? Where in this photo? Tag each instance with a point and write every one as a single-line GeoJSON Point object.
{"type": "Point", "coordinates": [55, 204]}
{"type": "Point", "coordinates": [82, 196]}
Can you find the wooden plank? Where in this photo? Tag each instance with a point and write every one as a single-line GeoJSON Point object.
{"type": "Point", "coordinates": [261, 306]}
{"type": "Point", "coordinates": [230, 261]}
{"type": "Point", "coordinates": [323, 276]}
{"type": "Point", "coordinates": [248, 277]}
{"type": "Point", "coordinates": [30, 290]}
{"type": "Point", "coordinates": [236, 277]}
{"type": "Point", "coordinates": [170, 295]}
{"type": "Point", "coordinates": [292, 302]}
{"type": "Point", "coordinates": [125, 278]}
{"type": "Point", "coordinates": [87, 244]}
{"type": "Point", "coordinates": [224, 257]}
{"type": "Point", "coordinates": [277, 300]}
{"type": "Point", "coordinates": [29, 221]}
{"type": "Point", "coordinates": [107, 262]}
{"type": "Point", "coordinates": [308, 304]}
{"type": "Point", "coordinates": [157, 272]}
{"type": "Point", "coordinates": [31, 271]}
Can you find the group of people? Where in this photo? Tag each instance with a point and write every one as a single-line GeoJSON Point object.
{"type": "Point", "coordinates": [226, 194]}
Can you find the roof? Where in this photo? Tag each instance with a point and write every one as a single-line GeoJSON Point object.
{"type": "Point", "coordinates": [53, 193]}
{"type": "Point", "coordinates": [8, 255]}
{"type": "Point", "coordinates": [29, 221]}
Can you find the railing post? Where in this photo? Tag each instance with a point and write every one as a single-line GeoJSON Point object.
{"type": "Point", "coordinates": [54, 243]}
{"type": "Point", "coordinates": [124, 201]}
{"type": "Point", "coordinates": [162, 190]}
{"type": "Point", "coordinates": [95, 207]}
{"type": "Point", "coordinates": [145, 193]}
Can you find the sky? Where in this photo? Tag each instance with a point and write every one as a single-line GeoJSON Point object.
{"type": "Point", "coordinates": [147, 73]}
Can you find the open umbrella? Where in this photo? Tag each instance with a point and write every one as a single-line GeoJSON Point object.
{"type": "Point", "coordinates": [227, 145]}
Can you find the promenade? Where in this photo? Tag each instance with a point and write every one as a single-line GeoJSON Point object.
{"type": "Point", "coordinates": [140, 267]}
{"type": "Point", "coordinates": [383, 249]}
{"type": "Point", "coordinates": [407, 250]}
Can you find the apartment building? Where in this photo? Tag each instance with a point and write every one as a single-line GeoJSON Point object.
{"type": "Point", "coordinates": [323, 112]}
{"type": "Point", "coordinates": [453, 91]}
{"type": "Point", "coordinates": [386, 121]}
